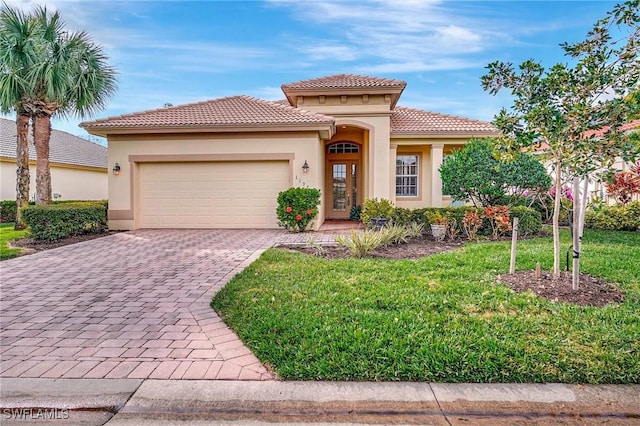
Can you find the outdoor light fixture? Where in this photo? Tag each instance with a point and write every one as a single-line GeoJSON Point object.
{"type": "Point", "coordinates": [305, 167]}
{"type": "Point", "coordinates": [116, 169]}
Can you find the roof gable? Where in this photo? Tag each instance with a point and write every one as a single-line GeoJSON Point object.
{"type": "Point", "coordinates": [64, 148]}
{"type": "Point", "coordinates": [230, 112]}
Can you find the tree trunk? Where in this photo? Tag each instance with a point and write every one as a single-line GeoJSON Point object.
{"type": "Point", "coordinates": [41, 136]}
{"type": "Point", "coordinates": [577, 207]}
{"type": "Point", "coordinates": [582, 208]}
{"type": "Point", "coordinates": [556, 222]}
{"type": "Point", "coordinates": [22, 168]}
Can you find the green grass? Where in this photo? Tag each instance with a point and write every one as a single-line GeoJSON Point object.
{"type": "Point", "coordinates": [7, 233]}
{"type": "Point", "coordinates": [442, 318]}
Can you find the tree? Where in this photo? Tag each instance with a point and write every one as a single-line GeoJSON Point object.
{"type": "Point", "coordinates": [475, 174]}
{"type": "Point", "coordinates": [560, 110]}
{"type": "Point", "coordinates": [60, 72]}
{"type": "Point", "coordinates": [16, 35]}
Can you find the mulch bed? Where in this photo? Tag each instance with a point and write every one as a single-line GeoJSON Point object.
{"type": "Point", "coordinates": [39, 245]}
{"type": "Point", "coordinates": [592, 291]}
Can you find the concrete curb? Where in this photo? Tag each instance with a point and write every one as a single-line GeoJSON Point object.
{"type": "Point", "coordinates": [245, 402]}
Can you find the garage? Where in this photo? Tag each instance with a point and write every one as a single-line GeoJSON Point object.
{"type": "Point", "coordinates": [222, 194]}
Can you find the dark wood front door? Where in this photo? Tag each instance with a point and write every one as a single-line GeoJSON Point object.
{"type": "Point", "coordinates": [344, 181]}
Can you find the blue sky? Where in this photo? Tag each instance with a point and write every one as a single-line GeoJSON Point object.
{"type": "Point", "coordinates": [186, 51]}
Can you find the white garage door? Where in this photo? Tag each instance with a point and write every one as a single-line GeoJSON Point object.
{"type": "Point", "coordinates": [211, 195]}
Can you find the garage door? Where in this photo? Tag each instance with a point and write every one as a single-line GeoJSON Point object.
{"type": "Point", "coordinates": [211, 195]}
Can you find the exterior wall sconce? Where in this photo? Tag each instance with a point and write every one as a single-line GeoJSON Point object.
{"type": "Point", "coordinates": [305, 167]}
{"type": "Point", "coordinates": [116, 169]}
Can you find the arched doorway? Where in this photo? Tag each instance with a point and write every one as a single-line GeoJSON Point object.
{"type": "Point", "coordinates": [344, 178]}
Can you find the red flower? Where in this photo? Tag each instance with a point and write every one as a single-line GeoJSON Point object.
{"type": "Point", "coordinates": [298, 218]}
{"type": "Point", "coordinates": [289, 209]}
{"type": "Point", "coordinates": [309, 212]}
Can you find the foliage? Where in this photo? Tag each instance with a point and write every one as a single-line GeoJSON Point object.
{"type": "Point", "coordinates": [374, 208]}
{"type": "Point", "coordinates": [7, 234]}
{"type": "Point", "coordinates": [475, 174]}
{"type": "Point", "coordinates": [529, 220]}
{"type": "Point", "coordinates": [452, 228]}
{"type": "Point", "coordinates": [439, 319]}
{"type": "Point", "coordinates": [361, 244]}
{"type": "Point", "coordinates": [572, 113]}
{"type": "Point", "coordinates": [437, 217]}
{"type": "Point", "coordinates": [7, 211]}
{"type": "Point", "coordinates": [395, 234]}
{"type": "Point", "coordinates": [616, 218]}
{"type": "Point", "coordinates": [354, 213]}
{"type": "Point", "coordinates": [499, 219]}
{"type": "Point", "coordinates": [297, 207]}
{"type": "Point", "coordinates": [55, 221]}
{"type": "Point", "coordinates": [624, 186]}
{"type": "Point", "coordinates": [49, 70]}
{"type": "Point", "coordinates": [415, 229]}
{"type": "Point", "coordinates": [471, 223]}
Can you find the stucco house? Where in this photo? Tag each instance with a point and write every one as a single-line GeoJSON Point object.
{"type": "Point", "coordinates": [78, 166]}
{"type": "Point", "coordinates": [222, 162]}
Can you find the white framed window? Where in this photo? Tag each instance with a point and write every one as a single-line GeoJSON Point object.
{"type": "Point", "coordinates": [407, 175]}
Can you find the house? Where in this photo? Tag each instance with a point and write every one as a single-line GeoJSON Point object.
{"type": "Point", "coordinates": [78, 166]}
{"type": "Point", "coordinates": [222, 162]}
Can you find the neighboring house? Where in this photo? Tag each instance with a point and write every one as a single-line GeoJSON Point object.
{"type": "Point", "coordinates": [221, 163]}
{"type": "Point", "coordinates": [599, 189]}
{"type": "Point", "coordinates": [78, 166]}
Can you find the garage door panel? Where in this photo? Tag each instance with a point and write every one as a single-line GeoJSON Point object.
{"type": "Point", "coordinates": [216, 194]}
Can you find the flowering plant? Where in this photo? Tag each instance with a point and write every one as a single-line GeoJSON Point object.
{"type": "Point", "coordinates": [297, 207]}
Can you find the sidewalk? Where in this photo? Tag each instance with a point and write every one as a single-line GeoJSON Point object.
{"type": "Point", "coordinates": [199, 402]}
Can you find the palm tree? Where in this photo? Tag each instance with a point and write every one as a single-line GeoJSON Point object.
{"type": "Point", "coordinates": [70, 77]}
{"type": "Point", "coordinates": [16, 55]}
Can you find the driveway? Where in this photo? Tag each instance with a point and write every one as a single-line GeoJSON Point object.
{"type": "Point", "coordinates": [130, 305]}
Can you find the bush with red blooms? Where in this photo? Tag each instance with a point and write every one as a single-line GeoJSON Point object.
{"type": "Point", "coordinates": [297, 207]}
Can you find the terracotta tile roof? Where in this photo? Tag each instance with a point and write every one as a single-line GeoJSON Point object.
{"type": "Point", "coordinates": [234, 111]}
{"type": "Point", "coordinates": [64, 148]}
{"type": "Point", "coordinates": [635, 124]}
{"type": "Point", "coordinates": [410, 120]}
{"type": "Point", "coordinates": [345, 81]}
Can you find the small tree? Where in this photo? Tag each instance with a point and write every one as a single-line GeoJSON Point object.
{"type": "Point", "coordinates": [297, 207]}
{"type": "Point", "coordinates": [475, 174]}
{"type": "Point", "coordinates": [574, 113]}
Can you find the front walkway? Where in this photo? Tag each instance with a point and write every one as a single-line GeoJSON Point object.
{"type": "Point", "coordinates": [130, 305]}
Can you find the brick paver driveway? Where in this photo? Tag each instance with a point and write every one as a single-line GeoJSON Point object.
{"type": "Point", "coordinates": [130, 305]}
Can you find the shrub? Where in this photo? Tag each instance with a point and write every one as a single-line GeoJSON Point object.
{"type": "Point", "coordinates": [7, 211]}
{"type": "Point", "coordinates": [395, 234]}
{"type": "Point", "coordinates": [55, 221]}
{"type": "Point", "coordinates": [499, 219]}
{"type": "Point", "coordinates": [474, 173]}
{"type": "Point", "coordinates": [374, 208]}
{"type": "Point", "coordinates": [529, 220]}
{"type": "Point", "coordinates": [355, 212]}
{"type": "Point", "coordinates": [615, 218]}
{"type": "Point", "coordinates": [624, 186]}
{"type": "Point", "coordinates": [297, 207]}
{"type": "Point", "coordinates": [361, 244]}
{"type": "Point", "coordinates": [471, 224]}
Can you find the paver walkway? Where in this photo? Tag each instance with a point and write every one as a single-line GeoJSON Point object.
{"type": "Point", "coordinates": [130, 305]}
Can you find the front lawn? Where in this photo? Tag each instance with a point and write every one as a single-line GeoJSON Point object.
{"type": "Point", "coordinates": [7, 233]}
{"type": "Point", "coordinates": [442, 318]}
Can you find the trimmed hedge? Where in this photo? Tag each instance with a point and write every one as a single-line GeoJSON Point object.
{"type": "Point", "coordinates": [55, 221]}
{"type": "Point", "coordinates": [529, 220]}
{"type": "Point", "coordinates": [615, 218]}
{"type": "Point", "coordinates": [7, 211]}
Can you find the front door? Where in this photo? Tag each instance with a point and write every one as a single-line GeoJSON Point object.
{"type": "Point", "coordinates": [343, 187]}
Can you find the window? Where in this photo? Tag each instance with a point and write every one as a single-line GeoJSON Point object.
{"type": "Point", "coordinates": [343, 148]}
{"type": "Point", "coordinates": [407, 176]}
